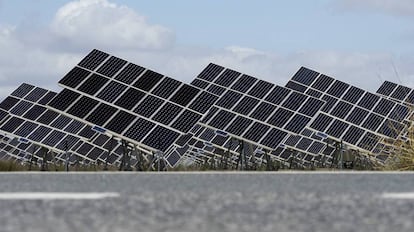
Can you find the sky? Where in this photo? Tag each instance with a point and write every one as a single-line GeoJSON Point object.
{"type": "Point", "coordinates": [359, 42]}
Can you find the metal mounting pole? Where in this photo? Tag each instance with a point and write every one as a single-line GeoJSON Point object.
{"type": "Point", "coordinates": [66, 157]}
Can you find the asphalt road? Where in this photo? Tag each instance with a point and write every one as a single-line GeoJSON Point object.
{"type": "Point", "coordinates": [304, 201]}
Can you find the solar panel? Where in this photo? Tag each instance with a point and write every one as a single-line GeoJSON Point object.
{"type": "Point", "coordinates": [121, 97]}
{"type": "Point", "coordinates": [28, 118]}
{"type": "Point", "coordinates": [260, 113]}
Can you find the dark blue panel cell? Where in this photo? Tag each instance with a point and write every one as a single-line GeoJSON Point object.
{"type": "Point", "coordinates": [353, 135]}
{"type": "Point", "coordinates": [26, 129]}
{"type": "Point", "coordinates": [40, 133]}
{"type": "Point", "coordinates": [321, 122]}
{"type": "Point", "coordinates": [401, 92]}
{"type": "Point", "coordinates": [101, 140]}
{"type": "Point", "coordinates": [184, 95]}
{"type": "Point", "coordinates": [256, 132]}
{"type": "Point", "coordinates": [227, 78]}
{"type": "Point", "coordinates": [316, 147]}
{"type": "Point", "coordinates": [61, 122]}
{"type": "Point", "coordinates": [139, 129]}
{"type": "Point", "coordinates": [130, 98]}
{"type": "Point", "coordinates": [209, 115]}
{"type": "Point", "coordinates": [244, 83]}
{"type": "Point", "coordinates": [74, 127]}
{"type": "Point", "coordinates": [161, 138]}
{"type": "Point", "coordinates": [87, 132]}
{"type": "Point", "coordinates": [93, 84]}
{"type": "Point", "coordinates": [47, 98]}
{"type": "Point", "coordinates": [357, 115]}
{"type": "Point", "coordinates": [304, 144]}
{"type": "Point", "coordinates": [8, 103]}
{"type": "Point", "coordinates": [297, 123]}
{"type": "Point", "coordinates": [296, 86]}
{"type": "Point", "coordinates": [93, 59]}
{"type": "Point", "coordinates": [74, 77]}
{"type": "Point", "coordinates": [263, 111]}
{"type": "Point", "coordinates": [341, 109]}
{"type": "Point", "coordinates": [215, 89]}
{"type": "Point", "coordinates": [386, 88]}
{"type": "Point", "coordinates": [399, 113]}
{"type": "Point", "coordinates": [210, 72]}
{"type": "Point", "coordinates": [148, 80]}
{"type": "Point", "coordinates": [64, 99]}
{"type": "Point", "coordinates": [239, 125]}
{"type": "Point", "coordinates": [246, 105]}
{"type": "Point", "coordinates": [167, 113]}
{"type": "Point", "coordinates": [130, 73]}
{"type": "Point", "coordinates": [200, 83]}
{"type": "Point", "coordinates": [391, 128]}
{"type": "Point", "coordinates": [353, 95]}
{"type": "Point", "coordinates": [166, 88]}
{"type": "Point", "coordinates": [84, 149]}
{"type": "Point", "coordinates": [322, 83]}
{"type": "Point", "coordinates": [338, 88]}
{"type": "Point", "coordinates": [120, 122]}
{"type": "Point", "coordinates": [111, 91]}
{"type": "Point", "coordinates": [47, 117]}
{"type": "Point", "coordinates": [311, 107]}
{"type": "Point", "coordinates": [203, 102]}
{"type": "Point", "coordinates": [83, 106]}
{"type": "Point", "coordinates": [368, 101]}
{"type": "Point", "coordinates": [294, 101]}
{"type": "Point", "coordinates": [186, 121]}
{"type": "Point", "coordinates": [384, 107]}
{"type": "Point", "coordinates": [219, 140]}
{"type": "Point", "coordinates": [95, 153]}
{"type": "Point", "coordinates": [183, 139]}
{"type": "Point", "coordinates": [222, 119]}
{"type": "Point", "coordinates": [173, 158]}
{"type": "Point", "coordinates": [337, 128]}
{"type": "Point", "coordinates": [292, 140]}
{"type": "Point", "coordinates": [148, 106]}
{"type": "Point", "coordinates": [372, 122]}
{"type": "Point", "coordinates": [207, 134]}
{"type": "Point", "coordinates": [305, 76]}
{"type": "Point", "coordinates": [21, 108]}
{"type": "Point", "coordinates": [280, 117]}
{"type": "Point", "coordinates": [368, 142]}
{"type": "Point", "coordinates": [274, 138]}
{"type": "Point", "coordinates": [36, 94]}
{"type": "Point", "coordinates": [229, 99]}
{"type": "Point", "coordinates": [410, 98]}
{"type": "Point", "coordinates": [260, 89]}
{"type": "Point", "coordinates": [53, 138]}
{"type": "Point", "coordinates": [22, 90]}
{"type": "Point", "coordinates": [111, 66]}
{"type": "Point", "coordinates": [101, 114]}
{"type": "Point", "coordinates": [330, 102]}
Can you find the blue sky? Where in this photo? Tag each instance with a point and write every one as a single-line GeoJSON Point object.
{"type": "Point", "coordinates": [356, 41]}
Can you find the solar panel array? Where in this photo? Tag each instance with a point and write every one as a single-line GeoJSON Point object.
{"type": "Point", "coordinates": [268, 116]}
{"type": "Point", "coordinates": [25, 115]}
{"type": "Point", "coordinates": [359, 118]}
{"type": "Point", "coordinates": [106, 99]}
{"type": "Point", "coordinates": [131, 102]}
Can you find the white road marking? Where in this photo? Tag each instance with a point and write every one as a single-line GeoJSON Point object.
{"type": "Point", "coordinates": [56, 195]}
{"type": "Point", "coordinates": [404, 196]}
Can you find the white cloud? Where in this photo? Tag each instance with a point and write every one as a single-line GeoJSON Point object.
{"type": "Point", "coordinates": [395, 7]}
{"type": "Point", "coordinates": [104, 24]}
